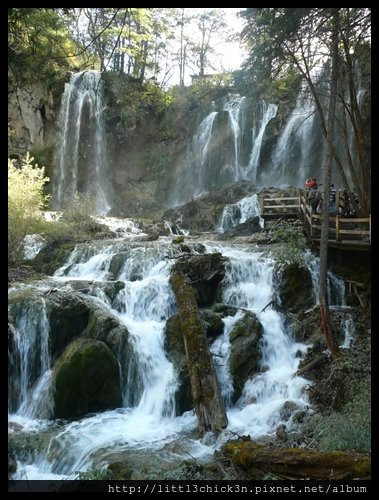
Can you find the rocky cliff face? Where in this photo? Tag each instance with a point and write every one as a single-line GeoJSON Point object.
{"type": "Point", "coordinates": [32, 110]}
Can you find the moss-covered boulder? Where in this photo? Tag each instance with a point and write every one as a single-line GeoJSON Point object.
{"type": "Point", "coordinates": [86, 379]}
{"type": "Point", "coordinates": [295, 288]}
{"type": "Point", "coordinates": [213, 324]}
{"type": "Point", "coordinates": [205, 273]}
{"type": "Point", "coordinates": [117, 262]}
{"type": "Point", "coordinates": [244, 351]}
{"type": "Point", "coordinates": [224, 310]}
{"type": "Point", "coordinates": [110, 288]}
{"type": "Point", "coordinates": [52, 256]}
{"type": "Point", "coordinates": [69, 314]}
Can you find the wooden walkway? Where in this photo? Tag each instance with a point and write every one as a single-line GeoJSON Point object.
{"type": "Point", "coordinates": [345, 233]}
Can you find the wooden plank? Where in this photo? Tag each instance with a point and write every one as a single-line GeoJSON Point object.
{"type": "Point", "coordinates": [357, 232]}
{"type": "Point", "coordinates": [281, 199]}
{"type": "Point", "coordinates": [282, 206]}
{"type": "Point", "coordinates": [354, 220]}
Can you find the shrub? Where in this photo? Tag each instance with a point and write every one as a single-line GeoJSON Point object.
{"type": "Point", "coordinates": [25, 203]}
{"type": "Point", "coordinates": [93, 474]}
{"type": "Point", "coordinates": [348, 429]}
{"type": "Point", "coordinates": [292, 242]}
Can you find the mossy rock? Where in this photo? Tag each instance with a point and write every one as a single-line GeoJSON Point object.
{"type": "Point", "coordinates": [69, 314]}
{"type": "Point", "coordinates": [117, 262]}
{"type": "Point", "coordinates": [244, 351]}
{"type": "Point", "coordinates": [178, 240]}
{"type": "Point", "coordinates": [295, 288]}
{"type": "Point", "coordinates": [224, 310]}
{"type": "Point", "coordinates": [86, 379]}
{"type": "Point", "coordinates": [213, 324]}
{"type": "Point", "coordinates": [52, 257]}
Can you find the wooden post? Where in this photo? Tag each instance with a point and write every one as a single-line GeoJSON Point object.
{"type": "Point", "coordinates": [337, 227]}
{"type": "Point", "coordinates": [206, 394]}
{"type": "Point", "coordinates": [261, 203]}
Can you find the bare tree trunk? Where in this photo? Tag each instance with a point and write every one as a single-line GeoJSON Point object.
{"type": "Point", "coordinates": [328, 159]}
{"type": "Point", "coordinates": [181, 56]}
{"type": "Point", "coordinates": [208, 402]}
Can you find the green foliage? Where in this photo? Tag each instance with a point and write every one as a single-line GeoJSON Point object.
{"type": "Point", "coordinates": [134, 101]}
{"type": "Point", "coordinates": [157, 161]}
{"type": "Point", "coordinates": [39, 44]}
{"type": "Point", "coordinates": [25, 203]}
{"type": "Point", "coordinates": [349, 429]}
{"type": "Point", "coordinates": [79, 208]}
{"type": "Point", "coordinates": [94, 474]}
{"type": "Point", "coordinates": [44, 155]}
{"type": "Point", "coordinates": [292, 242]}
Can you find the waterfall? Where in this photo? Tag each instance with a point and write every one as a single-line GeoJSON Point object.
{"type": "Point", "coordinates": [234, 106]}
{"type": "Point", "coordinates": [268, 113]}
{"type": "Point", "coordinates": [199, 171]}
{"type": "Point", "coordinates": [259, 411]}
{"type": "Point", "coordinates": [30, 381]}
{"type": "Point", "coordinates": [81, 156]}
{"type": "Point", "coordinates": [295, 146]}
{"type": "Point", "coordinates": [237, 213]}
{"type": "Point", "coordinates": [220, 349]}
{"type": "Point", "coordinates": [190, 182]}
{"type": "Point", "coordinates": [336, 288]}
{"type": "Point", "coordinates": [148, 419]}
{"type": "Point", "coordinates": [348, 329]}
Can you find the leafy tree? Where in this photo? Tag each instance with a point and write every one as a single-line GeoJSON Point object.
{"type": "Point", "coordinates": [306, 39]}
{"type": "Point", "coordinates": [184, 39]}
{"type": "Point", "coordinates": [284, 39]}
{"type": "Point", "coordinates": [25, 203]}
{"type": "Point", "coordinates": [209, 23]}
{"type": "Point", "coordinates": [39, 43]}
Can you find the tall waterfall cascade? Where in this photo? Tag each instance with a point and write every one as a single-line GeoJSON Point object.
{"type": "Point", "coordinates": [81, 156]}
{"type": "Point", "coordinates": [215, 155]}
{"type": "Point", "coordinates": [295, 144]}
{"type": "Point", "coordinates": [268, 113]}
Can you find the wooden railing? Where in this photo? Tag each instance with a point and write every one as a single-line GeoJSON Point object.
{"type": "Point", "coordinates": [279, 206]}
{"type": "Point", "coordinates": [342, 229]}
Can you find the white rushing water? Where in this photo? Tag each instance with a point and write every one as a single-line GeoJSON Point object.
{"type": "Point", "coordinates": [81, 156]}
{"type": "Point", "coordinates": [239, 212]}
{"type": "Point", "coordinates": [148, 419]}
{"type": "Point", "coordinates": [268, 113]}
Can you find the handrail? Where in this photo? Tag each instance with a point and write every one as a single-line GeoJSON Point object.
{"type": "Point", "coordinates": [339, 225]}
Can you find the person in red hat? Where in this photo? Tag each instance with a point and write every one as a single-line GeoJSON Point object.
{"type": "Point", "coordinates": [312, 195]}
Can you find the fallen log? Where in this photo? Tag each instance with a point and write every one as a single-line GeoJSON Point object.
{"type": "Point", "coordinates": [309, 365]}
{"type": "Point", "coordinates": [298, 463]}
{"type": "Point", "coordinates": [206, 394]}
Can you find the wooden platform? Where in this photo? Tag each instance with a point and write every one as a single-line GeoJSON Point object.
{"type": "Point", "coordinates": [345, 233]}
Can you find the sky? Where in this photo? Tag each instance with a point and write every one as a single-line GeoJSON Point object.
{"type": "Point", "coordinates": [232, 55]}
{"type": "Point", "coordinates": [229, 55]}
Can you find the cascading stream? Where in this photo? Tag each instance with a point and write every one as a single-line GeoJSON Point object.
{"type": "Point", "coordinates": [239, 212]}
{"type": "Point", "coordinates": [148, 419]}
{"type": "Point", "coordinates": [258, 411]}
